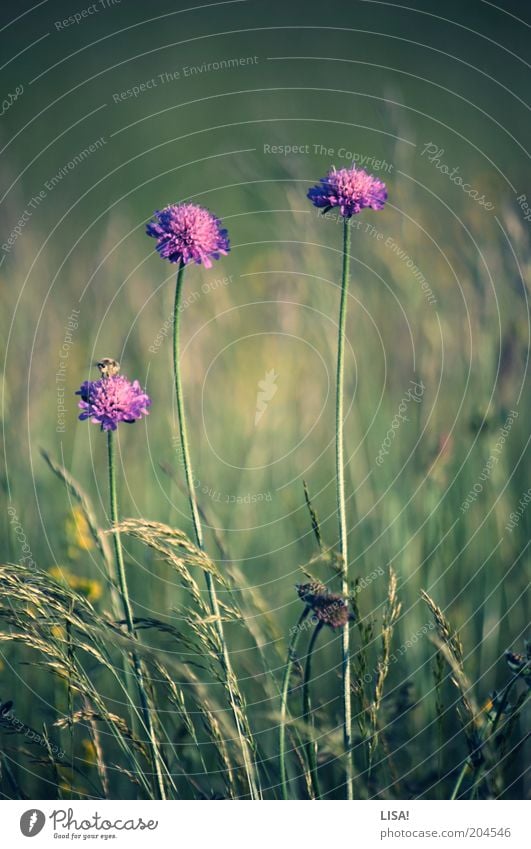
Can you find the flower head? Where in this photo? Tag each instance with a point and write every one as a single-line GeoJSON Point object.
{"type": "Point", "coordinates": [350, 189]}
{"type": "Point", "coordinates": [187, 233]}
{"type": "Point", "coordinates": [332, 609]}
{"type": "Point", "coordinates": [111, 400]}
{"type": "Point", "coordinates": [310, 592]}
{"type": "Point", "coordinates": [520, 664]}
{"type": "Point", "coordinates": [327, 608]}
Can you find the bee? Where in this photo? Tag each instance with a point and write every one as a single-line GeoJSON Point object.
{"type": "Point", "coordinates": [108, 367]}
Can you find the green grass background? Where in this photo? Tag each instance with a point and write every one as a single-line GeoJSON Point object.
{"type": "Point", "coordinates": [379, 79]}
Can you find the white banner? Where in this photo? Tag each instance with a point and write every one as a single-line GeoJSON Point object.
{"type": "Point", "coordinates": [278, 824]}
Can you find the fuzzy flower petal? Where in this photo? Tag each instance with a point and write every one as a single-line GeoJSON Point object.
{"type": "Point", "coordinates": [350, 189]}
{"type": "Point", "coordinates": [111, 400]}
{"type": "Point", "coordinates": [187, 233]}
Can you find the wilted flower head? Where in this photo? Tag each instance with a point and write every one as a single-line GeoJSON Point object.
{"type": "Point", "coordinates": [520, 664]}
{"type": "Point", "coordinates": [309, 592]}
{"type": "Point", "coordinates": [332, 610]}
{"type": "Point", "coordinates": [328, 608]}
{"type": "Point", "coordinates": [187, 233]}
{"type": "Point", "coordinates": [349, 189]}
{"type": "Point", "coordinates": [111, 400]}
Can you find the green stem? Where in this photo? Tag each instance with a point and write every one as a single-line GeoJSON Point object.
{"type": "Point", "coordinates": [340, 478]}
{"type": "Point", "coordinates": [502, 704]}
{"type": "Point", "coordinates": [489, 733]}
{"type": "Point", "coordinates": [284, 702]}
{"type": "Point", "coordinates": [311, 745]}
{"type": "Point", "coordinates": [459, 781]}
{"type": "Point", "coordinates": [224, 657]}
{"type": "Point", "coordinates": [128, 615]}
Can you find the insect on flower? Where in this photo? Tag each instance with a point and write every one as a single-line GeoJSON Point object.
{"type": "Point", "coordinates": [108, 367]}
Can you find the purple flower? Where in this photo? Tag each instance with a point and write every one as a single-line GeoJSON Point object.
{"type": "Point", "coordinates": [187, 233]}
{"type": "Point", "coordinates": [111, 400]}
{"type": "Point", "coordinates": [350, 189]}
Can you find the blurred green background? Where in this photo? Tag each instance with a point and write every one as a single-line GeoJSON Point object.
{"type": "Point", "coordinates": [381, 81]}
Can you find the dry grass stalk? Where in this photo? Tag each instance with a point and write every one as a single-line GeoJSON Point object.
{"type": "Point", "coordinates": [390, 617]}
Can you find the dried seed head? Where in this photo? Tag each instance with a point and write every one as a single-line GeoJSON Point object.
{"type": "Point", "coordinates": [311, 591]}
{"type": "Point", "coordinates": [520, 664]}
{"type": "Point", "coordinates": [328, 608]}
{"type": "Point", "coordinates": [331, 609]}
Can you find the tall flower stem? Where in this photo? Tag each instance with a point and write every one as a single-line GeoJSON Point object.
{"type": "Point", "coordinates": [284, 702]}
{"type": "Point", "coordinates": [128, 616]}
{"type": "Point", "coordinates": [224, 658]}
{"type": "Point", "coordinates": [311, 746]}
{"type": "Point", "coordinates": [340, 480]}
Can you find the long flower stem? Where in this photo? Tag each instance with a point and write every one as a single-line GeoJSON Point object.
{"type": "Point", "coordinates": [128, 615]}
{"type": "Point", "coordinates": [284, 702]}
{"type": "Point", "coordinates": [340, 478]}
{"type": "Point", "coordinates": [311, 746]}
{"type": "Point", "coordinates": [224, 658]}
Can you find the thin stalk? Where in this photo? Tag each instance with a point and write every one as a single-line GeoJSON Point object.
{"type": "Point", "coordinates": [490, 732]}
{"type": "Point", "coordinates": [340, 478]}
{"type": "Point", "coordinates": [503, 703]}
{"type": "Point", "coordinates": [501, 707]}
{"type": "Point", "coordinates": [284, 702]}
{"type": "Point", "coordinates": [464, 770]}
{"type": "Point", "coordinates": [311, 745]}
{"type": "Point", "coordinates": [128, 615]}
{"type": "Point", "coordinates": [214, 604]}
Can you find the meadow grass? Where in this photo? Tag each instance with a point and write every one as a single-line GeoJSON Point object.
{"type": "Point", "coordinates": [245, 698]}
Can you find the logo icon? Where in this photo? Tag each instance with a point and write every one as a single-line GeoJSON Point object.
{"type": "Point", "coordinates": [32, 822]}
{"type": "Point", "coordinates": [267, 389]}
